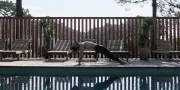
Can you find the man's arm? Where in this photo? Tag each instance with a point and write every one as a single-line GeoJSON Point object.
{"type": "Point", "coordinates": [69, 53]}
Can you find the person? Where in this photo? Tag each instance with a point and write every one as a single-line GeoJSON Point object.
{"type": "Point", "coordinates": [76, 46]}
{"type": "Point", "coordinates": [101, 85]}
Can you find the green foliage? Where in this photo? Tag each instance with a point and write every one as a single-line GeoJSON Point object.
{"type": "Point", "coordinates": [47, 32]}
{"type": "Point", "coordinates": [8, 8]}
{"type": "Point", "coordinates": [142, 40]}
{"type": "Point", "coordinates": [144, 32]}
{"type": "Point", "coordinates": [165, 7]}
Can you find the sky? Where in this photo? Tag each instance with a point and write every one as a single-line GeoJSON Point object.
{"type": "Point", "coordinates": [84, 8]}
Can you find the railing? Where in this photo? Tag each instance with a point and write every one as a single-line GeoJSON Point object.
{"type": "Point", "coordinates": [99, 28]}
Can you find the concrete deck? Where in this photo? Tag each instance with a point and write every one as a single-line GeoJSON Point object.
{"type": "Point", "coordinates": [103, 67]}
{"type": "Point", "coordinates": [135, 62]}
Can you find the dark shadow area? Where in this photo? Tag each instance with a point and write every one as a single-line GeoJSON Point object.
{"type": "Point", "coordinates": [99, 86]}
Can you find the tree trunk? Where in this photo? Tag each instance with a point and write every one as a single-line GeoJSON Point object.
{"type": "Point", "coordinates": [154, 6]}
{"type": "Point", "coordinates": [19, 12]}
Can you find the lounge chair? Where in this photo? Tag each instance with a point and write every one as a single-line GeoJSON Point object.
{"type": "Point", "coordinates": [164, 48]}
{"type": "Point", "coordinates": [19, 47]}
{"type": "Point", "coordinates": [61, 48]}
{"type": "Point", "coordinates": [115, 47]}
{"type": "Point", "coordinates": [90, 52]}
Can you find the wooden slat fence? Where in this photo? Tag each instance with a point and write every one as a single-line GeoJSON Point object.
{"type": "Point", "coordinates": [99, 28]}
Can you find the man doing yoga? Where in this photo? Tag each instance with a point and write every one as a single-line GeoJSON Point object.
{"type": "Point", "coordinates": [92, 46]}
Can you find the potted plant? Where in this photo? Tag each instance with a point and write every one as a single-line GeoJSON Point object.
{"type": "Point", "coordinates": [47, 34]}
{"type": "Point", "coordinates": [144, 37]}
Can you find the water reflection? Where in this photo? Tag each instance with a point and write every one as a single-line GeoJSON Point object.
{"type": "Point", "coordinates": [89, 83]}
{"type": "Point", "coordinates": [98, 86]}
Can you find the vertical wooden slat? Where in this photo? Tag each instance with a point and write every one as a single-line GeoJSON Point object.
{"type": "Point", "coordinates": [82, 30]}
{"type": "Point", "coordinates": [5, 28]}
{"type": "Point", "coordinates": [90, 29]}
{"type": "Point", "coordinates": [74, 29]}
{"type": "Point", "coordinates": [113, 30]}
{"type": "Point", "coordinates": [129, 36]}
{"type": "Point", "coordinates": [14, 31]}
{"type": "Point", "coordinates": [117, 29]}
{"type": "Point", "coordinates": [1, 28]}
{"type": "Point", "coordinates": [10, 31]}
{"type": "Point", "coordinates": [33, 38]}
{"type": "Point", "coordinates": [97, 31]}
{"type": "Point", "coordinates": [67, 29]}
{"type": "Point", "coordinates": [25, 28]}
{"type": "Point", "coordinates": [159, 29]}
{"type": "Point", "coordinates": [121, 28]}
{"type": "Point", "coordinates": [105, 32]}
{"type": "Point", "coordinates": [3, 21]}
{"type": "Point", "coordinates": [86, 22]}
{"type": "Point", "coordinates": [140, 24]}
{"type": "Point", "coordinates": [40, 40]}
{"type": "Point", "coordinates": [132, 37]}
{"type": "Point", "coordinates": [101, 20]}
{"type": "Point", "coordinates": [170, 30]}
{"type": "Point", "coordinates": [174, 33]}
{"type": "Point", "coordinates": [55, 30]}
{"type": "Point", "coordinates": [60, 29]}
{"type": "Point", "coordinates": [125, 34]}
{"type": "Point", "coordinates": [109, 36]}
{"type": "Point", "coordinates": [52, 23]}
{"type": "Point", "coordinates": [136, 36]}
{"type": "Point", "coordinates": [152, 36]}
{"type": "Point", "coordinates": [102, 31]}
{"type": "Point", "coordinates": [163, 29]}
{"type": "Point", "coordinates": [178, 47]}
{"type": "Point", "coordinates": [78, 29]}
{"type": "Point", "coordinates": [94, 32]}
{"type": "Point", "coordinates": [71, 30]}
{"type": "Point", "coordinates": [6, 32]}
{"type": "Point", "coordinates": [23, 34]}
{"type": "Point", "coordinates": [36, 37]}
{"type": "Point", "coordinates": [19, 28]}
{"type": "Point", "coordinates": [29, 35]}
{"type": "Point", "coordinates": [166, 29]}
{"type": "Point", "coordinates": [63, 31]}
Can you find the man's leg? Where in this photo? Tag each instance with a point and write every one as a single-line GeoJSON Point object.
{"type": "Point", "coordinates": [105, 51]}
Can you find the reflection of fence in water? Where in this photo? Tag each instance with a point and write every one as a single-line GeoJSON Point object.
{"type": "Point", "coordinates": [66, 83]}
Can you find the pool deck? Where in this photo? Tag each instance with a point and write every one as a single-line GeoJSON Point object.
{"type": "Point", "coordinates": [59, 62]}
{"type": "Point", "coordinates": [39, 66]}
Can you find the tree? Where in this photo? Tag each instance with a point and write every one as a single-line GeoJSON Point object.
{"type": "Point", "coordinates": [8, 8]}
{"type": "Point", "coordinates": [166, 7]}
{"type": "Point", "coordinates": [19, 8]}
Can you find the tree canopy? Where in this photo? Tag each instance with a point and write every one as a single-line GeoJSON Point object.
{"type": "Point", "coordinates": [165, 7]}
{"type": "Point", "coordinates": [8, 8]}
